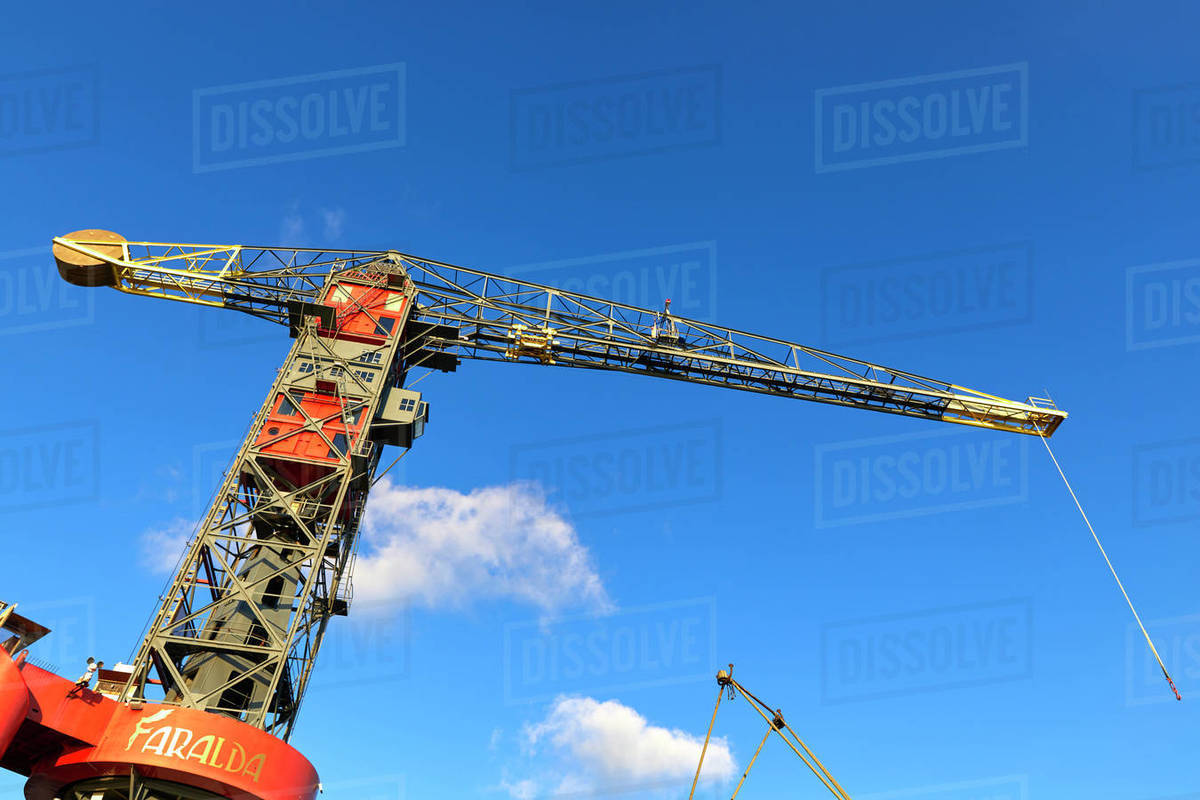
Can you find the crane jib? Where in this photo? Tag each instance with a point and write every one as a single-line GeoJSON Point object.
{"type": "Point", "coordinates": [489, 316]}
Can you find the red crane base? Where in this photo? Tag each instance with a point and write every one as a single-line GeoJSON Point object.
{"type": "Point", "coordinates": [58, 735]}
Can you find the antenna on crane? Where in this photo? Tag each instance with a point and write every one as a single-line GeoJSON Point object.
{"type": "Point", "coordinates": [664, 330]}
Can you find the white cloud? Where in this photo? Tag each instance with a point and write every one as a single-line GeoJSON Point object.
{"type": "Point", "coordinates": [334, 221]}
{"type": "Point", "coordinates": [520, 790]}
{"type": "Point", "coordinates": [608, 746]}
{"type": "Point", "coordinates": [291, 228]}
{"type": "Point", "coordinates": [294, 226]}
{"type": "Point", "coordinates": [444, 548]}
{"type": "Point", "coordinates": [162, 547]}
{"type": "Point", "coordinates": [163, 487]}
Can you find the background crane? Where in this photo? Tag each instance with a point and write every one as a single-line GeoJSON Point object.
{"type": "Point", "coordinates": [238, 630]}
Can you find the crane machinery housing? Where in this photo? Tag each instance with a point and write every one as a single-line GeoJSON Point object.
{"type": "Point", "coordinates": [215, 686]}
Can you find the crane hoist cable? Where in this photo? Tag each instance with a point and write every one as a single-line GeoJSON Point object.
{"type": "Point", "coordinates": [776, 723]}
{"type": "Point", "coordinates": [1112, 569]}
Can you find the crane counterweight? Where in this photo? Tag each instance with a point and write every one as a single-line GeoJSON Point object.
{"type": "Point", "coordinates": [83, 269]}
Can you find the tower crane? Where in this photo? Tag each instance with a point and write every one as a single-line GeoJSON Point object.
{"type": "Point", "coordinates": [217, 681]}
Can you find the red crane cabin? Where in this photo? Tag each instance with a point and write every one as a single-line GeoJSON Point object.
{"type": "Point", "coordinates": [364, 313]}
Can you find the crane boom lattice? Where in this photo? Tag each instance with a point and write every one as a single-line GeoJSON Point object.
{"type": "Point", "coordinates": [471, 314]}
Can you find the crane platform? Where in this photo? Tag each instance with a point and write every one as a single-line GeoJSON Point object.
{"type": "Point", "coordinates": [73, 742]}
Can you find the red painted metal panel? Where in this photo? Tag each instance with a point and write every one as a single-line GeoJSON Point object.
{"type": "Point", "coordinates": [89, 735]}
{"type": "Point", "coordinates": [303, 456]}
{"type": "Point", "coordinates": [365, 313]}
{"type": "Point", "coordinates": [80, 714]}
{"type": "Point", "coordinates": [282, 434]}
{"type": "Point", "coordinates": [208, 751]}
{"type": "Point", "coordinates": [15, 700]}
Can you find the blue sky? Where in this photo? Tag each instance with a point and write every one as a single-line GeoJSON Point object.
{"type": "Point", "coordinates": [1034, 234]}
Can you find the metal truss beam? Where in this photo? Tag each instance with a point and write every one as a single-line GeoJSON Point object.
{"type": "Point", "coordinates": [497, 318]}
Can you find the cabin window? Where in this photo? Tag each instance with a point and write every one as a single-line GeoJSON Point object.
{"type": "Point", "coordinates": [384, 326]}
{"type": "Point", "coordinates": [273, 593]}
{"type": "Point", "coordinates": [237, 697]}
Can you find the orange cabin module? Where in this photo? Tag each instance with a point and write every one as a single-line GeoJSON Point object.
{"type": "Point", "coordinates": [284, 432]}
{"type": "Point", "coordinates": [364, 312]}
{"type": "Point", "coordinates": [304, 454]}
{"type": "Point", "coordinates": [367, 312]}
